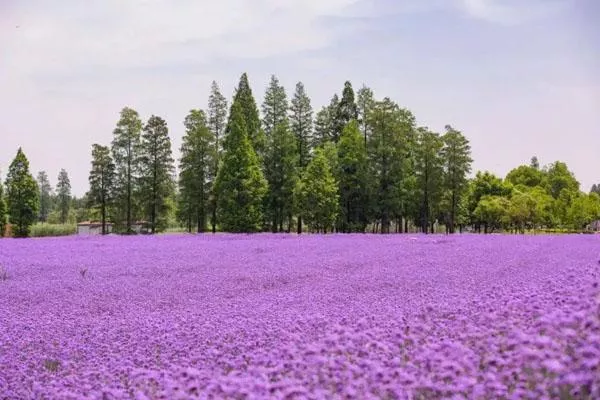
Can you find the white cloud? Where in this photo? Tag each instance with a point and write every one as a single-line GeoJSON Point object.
{"type": "Point", "coordinates": [511, 11]}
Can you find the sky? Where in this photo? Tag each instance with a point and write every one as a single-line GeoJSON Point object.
{"type": "Point", "coordinates": [517, 77]}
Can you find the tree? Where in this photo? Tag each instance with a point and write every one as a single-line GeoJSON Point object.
{"type": "Point", "coordinates": [353, 180]}
{"type": "Point", "coordinates": [492, 211]}
{"type": "Point", "coordinates": [274, 107]}
{"type": "Point", "coordinates": [2, 211]}
{"type": "Point", "coordinates": [217, 118]}
{"type": "Point", "coordinates": [430, 174]}
{"type": "Point", "coordinates": [125, 150]}
{"type": "Point", "coordinates": [245, 99]}
{"type": "Point", "coordinates": [456, 157]}
{"type": "Point", "coordinates": [346, 111]}
{"type": "Point", "coordinates": [156, 171]}
{"type": "Point", "coordinates": [559, 177]}
{"type": "Point", "coordinates": [526, 175]}
{"type": "Point", "coordinates": [45, 196]}
{"type": "Point", "coordinates": [102, 181]}
{"type": "Point", "coordinates": [22, 195]}
{"type": "Point", "coordinates": [325, 123]}
{"type": "Point", "coordinates": [485, 184]}
{"type": "Point", "coordinates": [584, 209]}
{"type": "Point", "coordinates": [521, 210]}
{"type": "Point", "coordinates": [364, 104]}
{"type": "Point", "coordinates": [316, 193]}
{"type": "Point", "coordinates": [534, 163]}
{"type": "Point", "coordinates": [240, 184]}
{"type": "Point", "coordinates": [63, 192]}
{"type": "Point", "coordinates": [198, 154]}
{"type": "Point", "coordinates": [281, 165]}
{"type": "Point", "coordinates": [595, 189]}
{"type": "Point", "coordinates": [390, 148]}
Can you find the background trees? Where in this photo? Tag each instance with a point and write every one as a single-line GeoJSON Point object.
{"type": "Point", "coordinates": [22, 196]}
{"type": "Point", "coordinates": [281, 168]}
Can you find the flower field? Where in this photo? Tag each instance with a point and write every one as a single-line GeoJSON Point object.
{"type": "Point", "coordinates": [269, 316]}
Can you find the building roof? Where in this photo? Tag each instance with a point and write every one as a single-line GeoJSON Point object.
{"type": "Point", "coordinates": [92, 223]}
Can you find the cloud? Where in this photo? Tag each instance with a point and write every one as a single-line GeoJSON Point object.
{"type": "Point", "coordinates": [511, 11]}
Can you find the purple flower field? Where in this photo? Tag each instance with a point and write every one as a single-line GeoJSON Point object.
{"type": "Point", "coordinates": [267, 316]}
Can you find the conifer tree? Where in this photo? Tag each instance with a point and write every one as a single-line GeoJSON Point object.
{"type": "Point", "coordinates": [364, 104]}
{"type": "Point", "coordinates": [245, 99]}
{"type": "Point", "coordinates": [125, 150]}
{"type": "Point", "coordinates": [2, 211]}
{"type": "Point", "coordinates": [240, 184]}
{"type": "Point", "coordinates": [316, 193]}
{"type": "Point", "coordinates": [217, 120]}
{"type": "Point", "coordinates": [63, 193]}
{"type": "Point", "coordinates": [325, 123]}
{"type": "Point", "coordinates": [281, 164]}
{"type": "Point", "coordinates": [196, 166]}
{"type": "Point", "coordinates": [22, 196]}
{"type": "Point", "coordinates": [353, 180]}
{"type": "Point", "coordinates": [102, 182]}
{"type": "Point", "coordinates": [45, 196]}
{"type": "Point", "coordinates": [274, 107]}
{"type": "Point", "coordinates": [301, 125]}
{"type": "Point", "coordinates": [346, 111]}
{"type": "Point", "coordinates": [429, 173]}
{"type": "Point", "coordinates": [156, 172]}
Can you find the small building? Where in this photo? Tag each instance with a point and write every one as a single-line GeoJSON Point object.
{"type": "Point", "coordinates": [140, 226]}
{"type": "Point", "coordinates": [594, 226]}
{"type": "Point", "coordinates": [93, 228]}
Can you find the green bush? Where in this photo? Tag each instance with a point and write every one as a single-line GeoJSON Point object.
{"type": "Point", "coordinates": [43, 230]}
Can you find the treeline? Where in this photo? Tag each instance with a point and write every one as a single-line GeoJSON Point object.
{"type": "Point", "coordinates": [359, 164]}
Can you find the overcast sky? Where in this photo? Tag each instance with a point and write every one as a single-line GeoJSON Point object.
{"type": "Point", "coordinates": [517, 77]}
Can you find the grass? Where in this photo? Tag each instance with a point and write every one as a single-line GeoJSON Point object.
{"type": "Point", "coordinates": [44, 230]}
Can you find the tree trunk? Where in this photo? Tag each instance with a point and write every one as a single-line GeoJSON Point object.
{"type": "Point", "coordinates": [299, 225]}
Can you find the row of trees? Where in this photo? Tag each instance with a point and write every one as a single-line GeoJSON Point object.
{"type": "Point", "coordinates": [28, 200]}
{"type": "Point", "coordinates": [358, 164]}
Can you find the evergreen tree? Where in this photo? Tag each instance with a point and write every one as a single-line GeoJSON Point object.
{"type": "Point", "coordinates": [22, 195]}
{"type": "Point", "coordinates": [217, 119]}
{"type": "Point", "coordinates": [389, 150]}
{"type": "Point", "coordinates": [196, 166]}
{"type": "Point", "coordinates": [274, 107]}
{"type": "Point", "coordinates": [63, 193]}
{"type": "Point", "coordinates": [535, 163]}
{"type": "Point", "coordinates": [346, 111]}
{"type": "Point", "coordinates": [325, 123]}
{"type": "Point", "coordinates": [45, 196]}
{"type": "Point", "coordinates": [157, 169]}
{"type": "Point", "coordinates": [364, 104]}
{"type": "Point", "coordinates": [245, 99]}
{"type": "Point", "coordinates": [429, 172]}
{"type": "Point", "coordinates": [456, 157]}
{"type": "Point", "coordinates": [2, 211]}
{"type": "Point", "coordinates": [240, 184]}
{"type": "Point", "coordinates": [353, 180]}
{"type": "Point", "coordinates": [102, 182]}
{"type": "Point", "coordinates": [301, 125]}
{"type": "Point", "coordinates": [125, 150]}
{"type": "Point", "coordinates": [595, 189]}
{"type": "Point", "coordinates": [281, 172]}
{"type": "Point", "coordinates": [316, 193]}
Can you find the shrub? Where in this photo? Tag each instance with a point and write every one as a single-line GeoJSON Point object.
{"type": "Point", "coordinates": [44, 230]}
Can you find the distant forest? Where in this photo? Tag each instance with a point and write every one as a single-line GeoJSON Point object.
{"type": "Point", "coordinates": [359, 164]}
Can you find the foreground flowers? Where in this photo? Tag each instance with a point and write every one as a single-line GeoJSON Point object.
{"type": "Point", "coordinates": [270, 316]}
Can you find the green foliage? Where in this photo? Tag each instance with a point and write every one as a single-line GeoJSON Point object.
{"type": "Point", "coordinates": [125, 151]}
{"type": "Point", "coordinates": [63, 193]}
{"type": "Point", "coordinates": [196, 166]}
{"type": "Point", "coordinates": [595, 189]}
{"type": "Point", "coordinates": [45, 196]}
{"type": "Point", "coordinates": [325, 123]}
{"type": "Point", "coordinates": [102, 182]}
{"type": "Point", "coordinates": [301, 124]}
{"type": "Point", "coordinates": [353, 173]}
{"type": "Point", "coordinates": [526, 175]}
{"type": "Point", "coordinates": [22, 194]}
{"type": "Point", "coordinates": [156, 172]}
{"type": "Point", "coordinates": [456, 158]}
{"type": "Point", "coordinates": [316, 193]}
{"type": "Point", "coordinates": [584, 209]}
{"type": "Point", "coordinates": [240, 184]}
{"type": "Point", "coordinates": [2, 211]}
{"type": "Point", "coordinates": [46, 230]}
{"type": "Point", "coordinates": [429, 171]}
{"type": "Point", "coordinates": [559, 178]}
{"type": "Point", "coordinates": [245, 99]}
{"type": "Point", "coordinates": [364, 104]}
{"type": "Point", "coordinates": [345, 112]}
{"type": "Point", "coordinates": [281, 171]}
{"type": "Point", "coordinates": [274, 107]}
{"type": "Point", "coordinates": [492, 211]}
{"type": "Point", "coordinates": [217, 118]}
{"type": "Point", "coordinates": [390, 162]}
